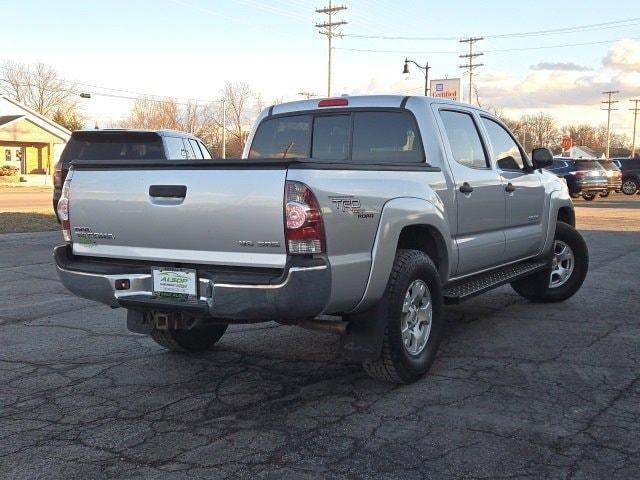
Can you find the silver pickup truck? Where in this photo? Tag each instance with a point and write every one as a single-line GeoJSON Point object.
{"type": "Point", "coordinates": [359, 215]}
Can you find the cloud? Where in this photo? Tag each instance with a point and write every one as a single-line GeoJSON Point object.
{"type": "Point", "coordinates": [560, 66]}
{"type": "Point", "coordinates": [623, 56]}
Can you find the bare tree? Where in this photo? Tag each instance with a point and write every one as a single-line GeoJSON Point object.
{"type": "Point", "coordinates": [542, 130]}
{"type": "Point", "coordinates": [153, 114]}
{"type": "Point", "coordinates": [237, 96]}
{"type": "Point", "coordinates": [38, 87]}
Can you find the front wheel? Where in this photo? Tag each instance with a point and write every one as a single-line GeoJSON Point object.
{"type": "Point", "coordinates": [630, 186]}
{"type": "Point", "coordinates": [198, 339]}
{"type": "Point", "coordinates": [589, 196]}
{"type": "Point", "coordinates": [605, 194]}
{"type": "Point", "coordinates": [412, 306]}
{"type": "Point", "coordinates": [568, 269]}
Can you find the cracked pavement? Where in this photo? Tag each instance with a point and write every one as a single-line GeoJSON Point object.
{"type": "Point", "coordinates": [518, 390]}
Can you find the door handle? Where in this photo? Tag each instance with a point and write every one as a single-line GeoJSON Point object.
{"type": "Point", "coordinates": [466, 188]}
{"type": "Point", "coordinates": [510, 188]}
{"type": "Point", "coordinates": [168, 191]}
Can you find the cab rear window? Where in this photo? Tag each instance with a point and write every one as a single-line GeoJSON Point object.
{"type": "Point", "coordinates": [113, 146]}
{"type": "Point", "coordinates": [347, 136]}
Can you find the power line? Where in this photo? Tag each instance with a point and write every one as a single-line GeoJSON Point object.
{"type": "Point", "coordinates": [609, 102]}
{"type": "Point", "coordinates": [328, 29]}
{"type": "Point", "coordinates": [635, 111]}
{"type": "Point", "coordinates": [628, 22]}
{"type": "Point", "coordinates": [470, 56]}
{"type": "Point", "coordinates": [497, 50]}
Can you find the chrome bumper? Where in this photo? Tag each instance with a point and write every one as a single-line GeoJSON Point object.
{"type": "Point", "coordinates": [302, 292]}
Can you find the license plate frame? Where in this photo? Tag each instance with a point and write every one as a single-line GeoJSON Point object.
{"type": "Point", "coordinates": [175, 283]}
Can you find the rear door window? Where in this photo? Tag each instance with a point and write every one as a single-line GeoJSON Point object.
{"type": "Point", "coordinates": [385, 137]}
{"type": "Point", "coordinates": [331, 137]}
{"type": "Point", "coordinates": [282, 137]}
{"type": "Point", "coordinates": [176, 149]}
{"type": "Point", "coordinates": [464, 139]}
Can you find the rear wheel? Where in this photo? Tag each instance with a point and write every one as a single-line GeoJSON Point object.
{"type": "Point", "coordinates": [589, 196]}
{"type": "Point", "coordinates": [568, 269]}
{"type": "Point", "coordinates": [414, 320]}
{"type": "Point", "coordinates": [198, 339]}
{"type": "Point", "coordinates": [605, 194]}
{"type": "Point", "coordinates": [630, 186]}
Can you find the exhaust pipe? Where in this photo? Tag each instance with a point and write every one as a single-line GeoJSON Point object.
{"type": "Point", "coordinates": [326, 326]}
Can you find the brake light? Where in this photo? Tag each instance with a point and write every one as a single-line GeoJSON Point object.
{"type": "Point", "coordinates": [580, 173]}
{"type": "Point", "coordinates": [333, 102]}
{"type": "Point", "coordinates": [304, 228]}
{"type": "Point", "coordinates": [63, 210]}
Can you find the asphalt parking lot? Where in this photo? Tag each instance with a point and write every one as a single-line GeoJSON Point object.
{"type": "Point", "coordinates": [519, 390]}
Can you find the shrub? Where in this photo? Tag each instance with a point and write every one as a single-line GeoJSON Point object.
{"type": "Point", "coordinates": [8, 171]}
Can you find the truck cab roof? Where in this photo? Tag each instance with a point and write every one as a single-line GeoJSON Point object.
{"type": "Point", "coordinates": [362, 101]}
{"type": "Point", "coordinates": [161, 132]}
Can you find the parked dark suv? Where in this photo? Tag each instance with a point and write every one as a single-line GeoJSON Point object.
{"type": "Point", "coordinates": [630, 168]}
{"type": "Point", "coordinates": [614, 177]}
{"type": "Point", "coordinates": [585, 178]}
{"type": "Point", "coordinates": [118, 144]}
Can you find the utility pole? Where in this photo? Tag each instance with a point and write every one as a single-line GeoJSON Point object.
{"type": "Point", "coordinates": [224, 128]}
{"type": "Point", "coordinates": [307, 95]}
{"type": "Point", "coordinates": [328, 29]}
{"type": "Point", "coordinates": [635, 111]}
{"type": "Point", "coordinates": [609, 102]}
{"type": "Point", "coordinates": [469, 57]}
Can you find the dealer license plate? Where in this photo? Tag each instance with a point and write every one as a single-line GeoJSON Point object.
{"type": "Point", "coordinates": [174, 282]}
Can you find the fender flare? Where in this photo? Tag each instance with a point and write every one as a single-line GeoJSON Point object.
{"type": "Point", "coordinates": [558, 199]}
{"type": "Point", "coordinates": [396, 215]}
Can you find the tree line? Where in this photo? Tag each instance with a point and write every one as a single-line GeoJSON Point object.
{"type": "Point", "coordinates": [542, 130]}
{"type": "Point", "coordinates": [42, 89]}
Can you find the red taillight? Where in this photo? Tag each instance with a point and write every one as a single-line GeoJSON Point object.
{"type": "Point", "coordinates": [581, 174]}
{"type": "Point", "coordinates": [303, 219]}
{"type": "Point", "coordinates": [333, 102]}
{"type": "Point", "coordinates": [63, 211]}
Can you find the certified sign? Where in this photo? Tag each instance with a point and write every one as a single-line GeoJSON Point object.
{"type": "Point", "coordinates": [174, 281]}
{"type": "Point", "coordinates": [448, 88]}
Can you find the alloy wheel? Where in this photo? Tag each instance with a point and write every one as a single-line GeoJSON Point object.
{"type": "Point", "coordinates": [562, 264]}
{"type": "Point", "coordinates": [417, 315]}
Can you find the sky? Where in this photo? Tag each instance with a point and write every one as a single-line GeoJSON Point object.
{"type": "Point", "coordinates": [189, 48]}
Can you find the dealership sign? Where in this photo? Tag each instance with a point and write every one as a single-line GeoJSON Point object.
{"type": "Point", "coordinates": [448, 88]}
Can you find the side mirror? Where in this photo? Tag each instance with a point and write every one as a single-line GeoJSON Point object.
{"type": "Point", "coordinates": [541, 158]}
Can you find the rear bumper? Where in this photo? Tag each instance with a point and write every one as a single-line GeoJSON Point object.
{"type": "Point", "coordinates": [586, 186]}
{"type": "Point", "coordinates": [301, 291]}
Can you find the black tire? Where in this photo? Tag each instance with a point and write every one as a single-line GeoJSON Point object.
{"type": "Point", "coordinates": [395, 364]}
{"type": "Point", "coordinates": [630, 186]}
{"type": "Point", "coordinates": [605, 194]}
{"type": "Point", "coordinates": [536, 287]}
{"type": "Point", "coordinates": [574, 195]}
{"type": "Point", "coordinates": [198, 339]}
{"type": "Point", "coordinates": [589, 196]}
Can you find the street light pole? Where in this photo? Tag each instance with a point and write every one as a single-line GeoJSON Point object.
{"type": "Point", "coordinates": [426, 69]}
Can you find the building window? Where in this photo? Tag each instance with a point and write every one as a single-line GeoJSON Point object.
{"type": "Point", "coordinates": [7, 155]}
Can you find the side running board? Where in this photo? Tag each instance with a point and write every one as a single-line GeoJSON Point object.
{"type": "Point", "coordinates": [483, 282]}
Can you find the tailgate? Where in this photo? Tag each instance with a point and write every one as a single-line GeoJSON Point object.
{"type": "Point", "coordinates": [198, 216]}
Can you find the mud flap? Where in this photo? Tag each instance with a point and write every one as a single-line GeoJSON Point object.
{"type": "Point", "coordinates": [365, 334]}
